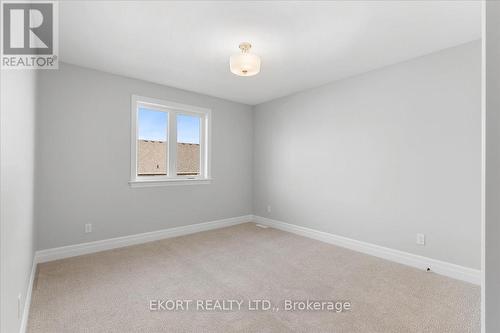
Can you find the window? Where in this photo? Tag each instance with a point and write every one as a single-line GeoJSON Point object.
{"type": "Point", "coordinates": [188, 145]}
{"type": "Point", "coordinates": [152, 142]}
{"type": "Point", "coordinates": [170, 143]}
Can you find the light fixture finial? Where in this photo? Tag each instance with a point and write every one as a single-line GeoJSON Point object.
{"type": "Point", "coordinates": [245, 47]}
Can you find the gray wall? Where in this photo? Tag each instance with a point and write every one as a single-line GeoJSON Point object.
{"type": "Point", "coordinates": [381, 156]}
{"type": "Point", "coordinates": [83, 169]}
{"type": "Point", "coordinates": [492, 199]}
{"type": "Point", "coordinates": [17, 158]}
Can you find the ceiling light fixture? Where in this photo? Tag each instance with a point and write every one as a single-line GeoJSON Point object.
{"type": "Point", "coordinates": [245, 63]}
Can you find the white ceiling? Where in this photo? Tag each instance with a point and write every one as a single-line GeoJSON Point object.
{"type": "Point", "coordinates": [302, 44]}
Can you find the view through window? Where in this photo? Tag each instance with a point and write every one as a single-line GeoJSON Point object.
{"type": "Point", "coordinates": [188, 145]}
{"type": "Point", "coordinates": [152, 145]}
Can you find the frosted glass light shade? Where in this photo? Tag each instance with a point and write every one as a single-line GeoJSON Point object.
{"type": "Point", "coordinates": [244, 64]}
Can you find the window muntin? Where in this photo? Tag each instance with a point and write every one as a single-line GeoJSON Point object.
{"type": "Point", "coordinates": [170, 141]}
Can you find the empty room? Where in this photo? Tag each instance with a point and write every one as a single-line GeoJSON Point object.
{"type": "Point", "coordinates": [250, 166]}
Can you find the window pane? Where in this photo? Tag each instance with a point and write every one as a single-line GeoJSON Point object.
{"type": "Point", "coordinates": [188, 145]}
{"type": "Point", "coordinates": [152, 143]}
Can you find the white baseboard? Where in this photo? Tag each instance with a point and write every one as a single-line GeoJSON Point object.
{"type": "Point", "coordinates": [27, 299]}
{"type": "Point", "coordinates": [113, 243]}
{"type": "Point", "coordinates": [440, 267]}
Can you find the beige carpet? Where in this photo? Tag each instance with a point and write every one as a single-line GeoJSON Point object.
{"type": "Point", "coordinates": [111, 291]}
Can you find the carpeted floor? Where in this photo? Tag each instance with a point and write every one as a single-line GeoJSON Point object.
{"type": "Point", "coordinates": [111, 291]}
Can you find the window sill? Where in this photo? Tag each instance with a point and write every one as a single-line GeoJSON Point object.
{"type": "Point", "coordinates": [168, 182]}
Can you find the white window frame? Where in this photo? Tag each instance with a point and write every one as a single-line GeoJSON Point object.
{"type": "Point", "coordinates": [173, 109]}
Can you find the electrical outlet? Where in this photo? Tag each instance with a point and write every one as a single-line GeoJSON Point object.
{"type": "Point", "coordinates": [88, 228]}
{"type": "Point", "coordinates": [420, 239]}
{"type": "Point", "coordinates": [268, 208]}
